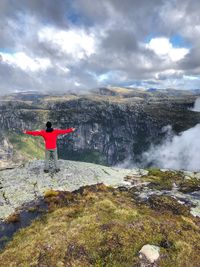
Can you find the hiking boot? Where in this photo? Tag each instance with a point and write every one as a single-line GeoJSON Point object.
{"type": "Point", "coordinates": [46, 171]}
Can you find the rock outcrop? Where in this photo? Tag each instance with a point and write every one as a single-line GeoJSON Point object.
{"type": "Point", "coordinates": [23, 184]}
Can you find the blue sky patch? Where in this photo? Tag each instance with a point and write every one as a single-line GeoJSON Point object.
{"type": "Point", "coordinates": [176, 40]}
{"type": "Point", "coordinates": [179, 41]}
{"type": "Point", "coordinates": [6, 50]}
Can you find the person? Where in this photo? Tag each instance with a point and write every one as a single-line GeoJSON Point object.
{"type": "Point", "coordinates": [50, 138]}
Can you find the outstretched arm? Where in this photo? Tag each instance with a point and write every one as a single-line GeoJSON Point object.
{"type": "Point", "coordinates": [35, 133]}
{"type": "Point", "coordinates": [69, 130]}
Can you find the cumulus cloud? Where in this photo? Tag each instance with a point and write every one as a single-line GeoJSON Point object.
{"type": "Point", "coordinates": [164, 48]}
{"type": "Point", "coordinates": [76, 43]}
{"type": "Point", "coordinates": [84, 44]}
{"type": "Point", "coordinates": [25, 62]}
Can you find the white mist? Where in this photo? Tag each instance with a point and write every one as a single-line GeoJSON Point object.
{"type": "Point", "coordinates": [177, 152]}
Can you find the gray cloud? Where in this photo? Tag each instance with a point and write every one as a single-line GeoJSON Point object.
{"type": "Point", "coordinates": [119, 28]}
{"type": "Point", "coordinates": [15, 79]}
{"type": "Point", "coordinates": [45, 10]}
{"type": "Point", "coordinates": [191, 61]}
{"type": "Point", "coordinates": [120, 41]}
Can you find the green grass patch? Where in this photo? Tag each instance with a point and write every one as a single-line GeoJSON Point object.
{"type": "Point", "coordinates": [101, 226]}
{"type": "Point", "coordinates": [27, 146]}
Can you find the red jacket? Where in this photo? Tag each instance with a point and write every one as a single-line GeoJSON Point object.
{"type": "Point", "coordinates": [50, 138]}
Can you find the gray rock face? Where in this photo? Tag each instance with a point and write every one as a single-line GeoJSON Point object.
{"type": "Point", "coordinates": [110, 129]}
{"type": "Point", "coordinates": [114, 131]}
{"type": "Point", "coordinates": [26, 183]}
{"type": "Point", "coordinates": [6, 151]}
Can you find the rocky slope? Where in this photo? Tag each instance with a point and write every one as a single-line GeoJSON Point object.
{"type": "Point", "coordinates": [147, 218]}
{"type": "Point", "coordinates": [112, 124]}
{"type": "Point", "coordinates": [23, 184]}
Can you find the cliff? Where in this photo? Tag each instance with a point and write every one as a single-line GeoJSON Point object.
{"type": "Point", "coordinates": [112, 125]}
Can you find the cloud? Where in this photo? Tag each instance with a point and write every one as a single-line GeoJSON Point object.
{"type": "Point", "coordinates": [164, 49]}
{"type": "Point", "coordinates": [179, 152]}
{"type": "Point", "coordinates": [53, 12]}
{"type": "Point", "coordinates": [75, 42]}
{"type": "Point", "coordinates": [94, 43]}
{"type": "Point", "coordinates": [25, 62]}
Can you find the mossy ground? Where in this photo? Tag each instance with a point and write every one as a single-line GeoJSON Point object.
{"type": "Point", "coordinates": [167, 203]}
{"type": "Point", "coordinates": [190, 185]}
{"type": "Point", "coordinates": [163, 180]}
{"type": "Point", "coordinates": [102, 226]}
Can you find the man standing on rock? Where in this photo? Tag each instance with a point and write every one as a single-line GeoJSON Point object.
{"type": "Point", "coordinates": [50, 138]}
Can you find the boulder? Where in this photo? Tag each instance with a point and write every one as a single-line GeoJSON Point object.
{"type": "Point", "coordinates": [149, 253]}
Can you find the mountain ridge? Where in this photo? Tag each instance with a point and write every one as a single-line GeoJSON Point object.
{"type": "Point", "coordinates": [110, 129]}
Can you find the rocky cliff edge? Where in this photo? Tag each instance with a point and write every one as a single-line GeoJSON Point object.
{"type": "Point", "coordinates": [21, 185]}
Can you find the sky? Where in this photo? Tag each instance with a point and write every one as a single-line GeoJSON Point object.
{"type": "Point", "coordinates": [75, 45]}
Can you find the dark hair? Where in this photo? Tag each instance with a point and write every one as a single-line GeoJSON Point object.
{"type": "Point", "coordinates": [48, 125]}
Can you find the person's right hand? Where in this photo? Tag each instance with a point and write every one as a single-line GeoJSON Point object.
{"type": "Point", "coordinates": [73, 129]}
{"type": "Point", "coordinates": [24, 131]}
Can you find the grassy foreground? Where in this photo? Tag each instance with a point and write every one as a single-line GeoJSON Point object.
{"type": "Point", "coordinates": [101, 226]}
